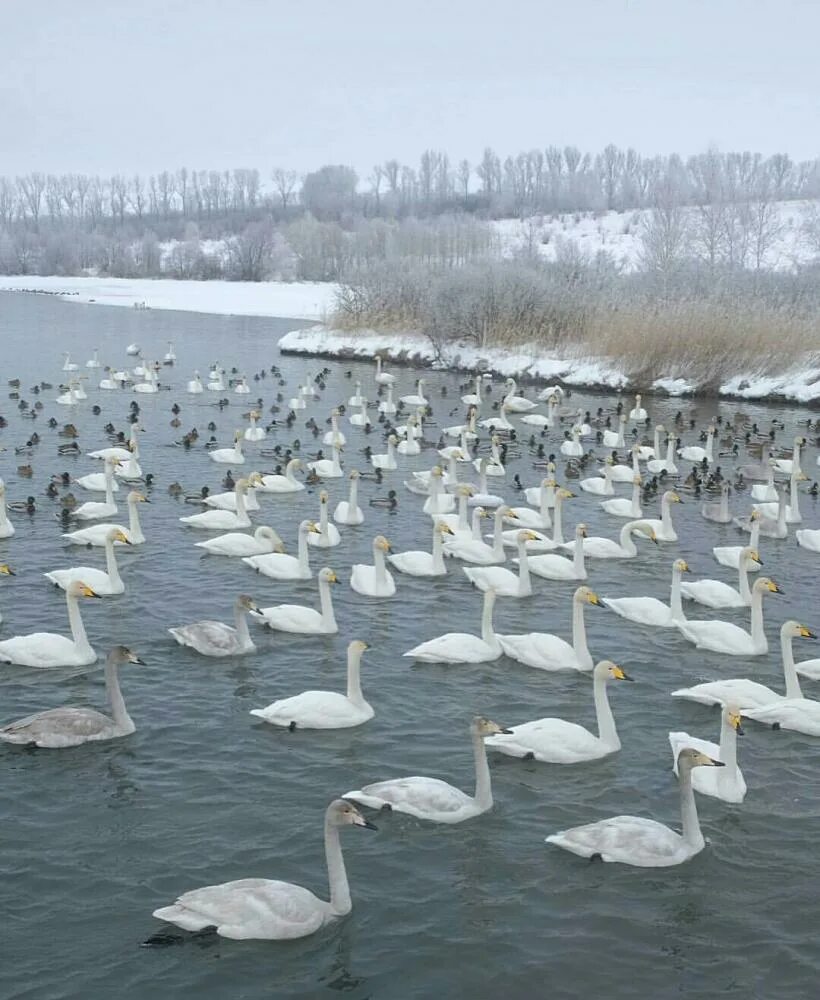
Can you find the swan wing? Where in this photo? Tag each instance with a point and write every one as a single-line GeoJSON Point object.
{"type": "Point", "coordinates": [417, 796]}
{"type": "Point", "coordinates": [293, 618]}
{"type": "Point", "coordinates": [43, 649]}
{"type": "Point", "coordinates": [712, 593]}
{"type": "Point", "coordinates": [455, 647]}
{"type": "Point", "coordinates": [233, 544]}
{"type": "Point", "coordinates": [642, 610]}
{"type": "Point", "coordinates": [97, 579]}
{"type": "Point", "coordinates": [251, 908]}
{"type": "Point", "coordinates": [315, 710]}
{"type": "Point", "coordinates": [720, 637]}
{"type": "Point", "coordinates": [734, 691]}
{"type": "Point", "coordinates": [277, 565]}
{"type": "Point", "coordinates": [630, 840]}
{"type": "Point", "coordinates": [541, 650]}
{"type": "Point", "coordinates": [553, 740]}
{"type": "Point", "coordinates": [502, 580]}
{"type": "Point", "coordinates": [800, 715]}
{"type": "Point", "coordinates": [414, 563]}
{"type": "Point", "coordinates": [209, 638]}
{"type": "Point", "coordinates": [59, 727]}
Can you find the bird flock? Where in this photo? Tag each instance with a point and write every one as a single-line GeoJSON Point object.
{"type": "Point", "coordinates": [478, 527]}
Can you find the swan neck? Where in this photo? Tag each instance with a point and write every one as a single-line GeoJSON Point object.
{"type": "Point", "coordinates": [728, 748]}
{"type": "Point", "coordinates": [353, 498]}
{"type": "Point", "coordinates": [115, 698]}
{"type": "Point", "coordinates": [381, 569]}
{"type": "Point", "coordinates": [558, 526]}
{"type": "Point", "coordinates": [607, 732]}
{"type": "Point", "coordinates": [498, 537]}
{"type": "Point", "coordinates": [627, 541]}
{"type": "Point", "coordinates": [483, 785]}
{"type": "Point", "coordinates": [438, 550]}
{"type": "Point", "coordinates": [578, 557]}
{"type": "Point", "coordinates": [743, 580]}
{"type": "Point", "coordinates": [487, 630]}
{"type": "Point", "coordinates": [579, 632]}
{"type": "Point", "coordinates": [111, 563]}
{"type": "Point", "coordinates": [75, 622]}
{"type": "Point", "coordinates": [758, 635]}
{"type": "Point", "coordinates": [675, 600]}
{"type": "Point", "coordinates": [793, 689]}
{"type": "Point", "coordinates": [689, 811]}
{"type": "Point", "coordinates": [354, 689]}
{"type": "Point", "coordinates": [134, 526]}
{"type": "Point", "coordinates": [326, 604]}
{"type": "Point", "coordinates": [241, 624]}
{"type": "Point", "coordinates": [340, 902]}
{"type": "Point", "coordinates": [302, 551]}
{"type": "Point", "coordinates": [524, 584]}
{"type": "Point", "coordinates": [109, 483]}
{"type": "Point", "coordinates": [463, 523]}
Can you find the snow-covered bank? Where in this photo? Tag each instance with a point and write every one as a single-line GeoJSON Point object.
{"type": "Point", "coordinates": [309, 300]}
{"type": "Point", "coordinates": [529, 362]}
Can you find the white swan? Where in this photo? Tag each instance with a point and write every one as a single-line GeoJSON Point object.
{"type": "Point", "coordinates": [461, 451]}
{"type": "Point", "coordinates": [242, 388]}
{"type": "Point", "coordinates": [718, 511]}
{"type": "Point", "coordinates": [334, 434]}
{"type": "Point", "coordinates": [170, 354]}
{"type": "Point", "coordinates": [502, 580]}
{"type": "Point", "coordinates": [645, 453]}
{"type": "Point", "coordinates": [132, 350]}
{"type": "Point", "coordinates": [626, 472]}
{"type": "Point", "coordinates": [790, 466]}
{"type": "Point", "coordinates": [600, 485]}
{"type": "Point", "coordinates": [658, 465]}
{"type": "Point", "coordinates": [537, 520]}
{"type": "Point", "coordinates": [480, 552]}
{"type": "Point", "coordinates": [382, 377]}
{"type": "Point", "coordinates": [431, 798]}
{"type": "Point", "coordinates": [411, 444]}
{"type": "Point", "coordinates": [481, 497]}
{"type": "Point", "coordinates": [474, 398]}
{"type": "Point", "coordinates": [301, 620]}
{"type": "Point", "coordinates": [571, 446]}
{"type": "Point", "coordinates": [195, 385]}
{"type": "Point", "coordinates": [638, 412]}
{"type": "Point", "coordinates": [498, 423]}
{"type": "Point", "coordinates": [93, 361]}
{"type": "Point", "coordinates": [546, 651]}
{"type": "Point", "coordinates": [93, 509]}
{"type": "Point", "coordinates": [229, 456]}
{"type": "Point", "coordinates": [615, 439]}
{"type": "Point", "coordinates": [769, 527]}
{"type": "Point", "coordinates": [750, 694]}
{"type": "Point", "coordinates": [727, 783]}
{"type": "Point", "coordinates": [361, 418]}
{"type": "Point", "coordinates": [72, 397]}
{"type": "Point", "coordinates": [717, 594]}
{"type": "Point", "coordinates": [387, 406]}
{"type": "Point", "coordinates": [560, 742]}
{"type": "Point", "coordinates": [417, 563]}
{"type": "Point", "coordinates": [516, 404]}
{"type": "Point", "coordinates": [463, 647]}
{"type": "Point", "coordinates": [807, 538]}
{"type": "Point", "coordinates": [387, 460]}
{"type": "Point", "coordinates": [766, 491]}
{"type": "Point", "coordinates": [800, 715]}
{"type": "Point", "coordinates": [328, 536]}
{"type": "Point", "coordinates": [357, 398]}
{"type": "Point", "coordinates": [237, 543]}
{"type": "Point", "coordinates": [254, 432]}
{"type": "Point", "coordinates": [651, 611]}
{"type": "Point", "coordinates": [288, 483]}
{"type": "Point", "coordinates": [47, 649]}
{"type": "Point", "coordinates": [119, 452]}
{"type": "Point", "coordinates": [725, 637]}
{"type": "Point", "coordinates": [375, 580]}
{"type": "Point", "coordinates": [95, 482]}
{"type": "Point", "coordinates": [663, 527]}
{"type": "Point", "coordinates": [324, 709]}
{"type": "Point", "coordinates": [69, 365]}
{"type": "Point", "coordinates": [223, 520]}
{"type": "Point", "coordinates": [418, 398]}
{"type": "Point", "coordinates": [644, 843]}
{"type": "Point", "coordinates": [348, 511]}
{"type": "Point", "coordinates": [212, 638]}
{"type": "Point", "coordinates": [280, 566]}
{"type": "Point", "coordinates": [459, 523]}
{"type": "Point", "coordinates": [329, 468]}
{"type": "Point", "coordinates": [621, 507]}
{"type": "Point", "coordinates": [267, 910]}
{"type": "Point", "coordinates": [6, 527]}
{"type": "Point", "coordinates": [730, 555]}
{"type": "Point", "coordinates": [598, 547]}
{"type": "Point", "coordinates": [694, 453]}
{"type": "Point", "coordinates": [69, 726]}
{"type": "Point", "coordinates": [551, 566]}
{"type": "Point", "coordinates": [494, 466]}
{"type": "Point", "coordinates": [104, 583]}
{"type": "Point", "coordinates": [227, 500]}
{"type": "Point", "coordinates": [536, 496]}
{"type": "Point", "coordinates": [772, 510]}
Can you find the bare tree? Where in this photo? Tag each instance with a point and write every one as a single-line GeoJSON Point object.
{"type": "Point", "coordinates": [285, 182]}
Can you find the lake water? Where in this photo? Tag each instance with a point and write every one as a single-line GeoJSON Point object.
{"type": "Point", "coordinates": [93, 839]}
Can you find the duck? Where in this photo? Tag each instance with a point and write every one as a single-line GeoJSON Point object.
{"type": "Point", "coordinates": [375, 580]}
{"type": "Point", "coordinates": [301, 620]}
{"type": "Point", "coordinates": [728, 783]}
{"type": "Point", "coordinates": [502, 580]}
{"type": "Point", "coordinates": [663, 527]}
{"type": "Point", "coordinates": [104, 583]}
{"type": "Point", "coordinates": [432, 799]}
{"type": "Point", "coordinates": [744, 693]}
{"type": "Point", "coordinates": [726, 637]}
{"type": "Point", "coordinates": [552, 566]}
{"type": "Point", "coordinates": [557, 741]}
{"type": "Point", "coordinates": [716, 594]}
{"type": "Point", "coordinates": [545, 651]}
{"type": "Point", "coordinates": [223, 520]}
{"type": "Point", "coordinates": [348, 511]}
{"type": "Point", "coordinates": [640, 842]}
{"type": "Point", "coordinates": [211, 638]}
{"type": "Point", "coordinates": [237, 543]}
{"type": "Point", "coordinates": [418, 563]}
{"type": "Point", "coordinates": [598, 547]}
{"type": "Point", "coordinates": [70, 726]}
{"type": "Point", "coordinates": [279, 566]}
{"type": "Point", "coordinates": [48, 649]}
{"type": "Point", "coordinates": [463, 647]}
{"type": "Point", "coordinates": [262, 909]}
{"type": "Point", "coordinates": [649, 610]}
{"type": "Point", "coordinates": [324, 709]}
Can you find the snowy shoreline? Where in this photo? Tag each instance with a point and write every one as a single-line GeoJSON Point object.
{"type": "Point", "coordinates": [528, 364]}
{"type": "Point", "coordinates": [314, 302]}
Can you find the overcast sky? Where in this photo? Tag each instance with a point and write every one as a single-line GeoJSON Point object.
{"type": "Point", "coordinates": [104, 86]}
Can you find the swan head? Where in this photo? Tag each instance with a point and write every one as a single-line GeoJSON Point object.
{"type": "Point", "coordinates": [731, 714]}
{"type": "Point", "coordinates": [549, 482]}
{"type": "Point", "coordinates": [485, 727]}
{"type": "Point", "coordinates": [323, 497]}
{"type": "Point", "coordinates": [794, 630]}
{"type": "Point", "coordinates": [246, 603]}
{"type": "Point", "coordinates": [381, 544]}
{"type": "Point", "coordinates": [270, 535]}
{"type": "Point", "coordinates": [237, 435]}
{"type": "Point", "coordinates": [750, 555]}
{"type": "Point", "coordinates": [465, 490]}
{"type": "Point", "coordinates": [766, 586]}
{"type": "Point", "coordinates": [645, 529]}
{"type": "Point", "coordinates": [580, 531]}
{"type": "Point", "coordinates": [117, 535]}
{"type": "Point", "coordinates": [586, 595]}
{"type": "Point", "coordinates": [565, 494]}
{"type": "Point", "coordinates": [356, 647]}
{"type": "Point", "coordinates": [80, 589]}
{"type": "Point", "coordinates": [242, 485]}
{"type": "Point", "coordinates": [309, 528]}
{"type": "Point", "coordinates": [660, 428]}
{"type": "Point", "coordinates": [327, 575]}
{"type": "Point", "coordinates": [636, 480]}
{"type": "Point", "coordinates": [682, 566]}
{"type": "Point", "coordinates": [6, 570]}
{"type": "Point", "coordinates": [255, 479]}
{"type": "Point", "coordinates": [343, 813]}
{"type": "Point", "coordinates": [527, 536]}
{"type": "Point", "coordinates": [444, 528]}
{"type": "Point", "coordinates": [135, 497]}
{"type": "Point", "coordinates": [393, 440]}
{"type": "Point", "coordinates": [611, 671]}
{"type": "Point", "coordinates": [437, 473]}
{"type": "Point", "coordinates": [294, 463]}
{"type": "Point", "coordinates": [354, 475]}
{"type": "Point", "coordinates": [689, 758]}
{"type": "Point", "coordinates": [672, 497]}
{"type": "Point", "coordinates": [122, 654]}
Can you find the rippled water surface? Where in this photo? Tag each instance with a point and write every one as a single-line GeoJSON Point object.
{"type": "Point", "coordinates": [93, 839]}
